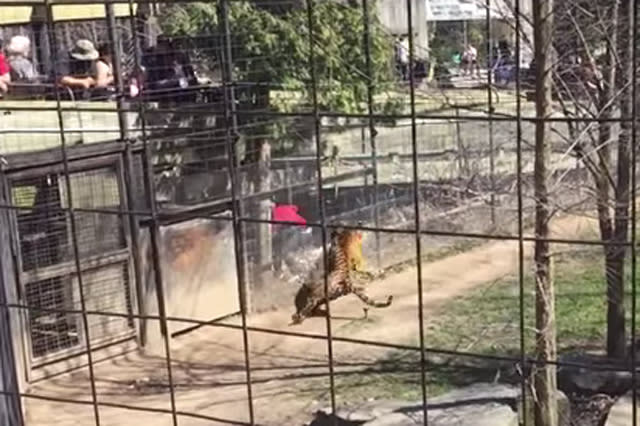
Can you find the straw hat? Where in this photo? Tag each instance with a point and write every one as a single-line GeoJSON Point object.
{"type": "Point", "coordinates": [84, 50]}
{"type": "Point", "coordinates": [19, 45]}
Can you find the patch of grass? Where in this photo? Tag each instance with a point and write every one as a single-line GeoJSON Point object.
{"type": "Point", "coordinates": [486, 321]}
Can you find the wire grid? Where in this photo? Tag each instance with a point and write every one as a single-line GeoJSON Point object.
{"type": "Point", "coordinates": [236, 116]}
{"type": "Point", "coordinates": [43, 227]}
{"type": "Point", "coordinates": [51, 332]}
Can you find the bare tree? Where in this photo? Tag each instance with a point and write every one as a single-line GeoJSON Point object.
{"type": "Point", "coordinates": [546, 406]}
{"type": "Point", "coordinates": [602, 91]}
{"type": "Point", "coordinates": [591, 80]}
{"type": "Point", "coordinates": [616, 341]}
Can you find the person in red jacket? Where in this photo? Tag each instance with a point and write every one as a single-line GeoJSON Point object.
{"type": "Point", "coordinates": [286, 235]}
{"type": "Point", "coordinates": [5, 76]}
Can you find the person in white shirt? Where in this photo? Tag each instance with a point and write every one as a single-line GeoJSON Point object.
{"type": "Point", "coordinates": [403, 56]}
{"type": "Point", "coordinates": [470, 60]}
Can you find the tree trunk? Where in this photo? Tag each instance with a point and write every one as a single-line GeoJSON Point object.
{"type": "Point", "coordinates": [616, 339]}
{"type": "Point", "coordinates": [546, 405]}
{"type": "Point", "coordinates": [614, 257]}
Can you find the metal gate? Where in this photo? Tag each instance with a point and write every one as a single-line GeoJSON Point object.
{"type": "Point", "coordinates": [50, 279]}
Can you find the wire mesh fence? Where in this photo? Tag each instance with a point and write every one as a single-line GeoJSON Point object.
{"type": "Point", "coordinates": [179, 177]}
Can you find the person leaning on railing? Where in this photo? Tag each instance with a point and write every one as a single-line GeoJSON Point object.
{"type": "Point", "coordinates": [90, 68]}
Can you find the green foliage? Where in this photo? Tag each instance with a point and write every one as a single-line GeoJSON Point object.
{"type": "Point", "coordinates": [274, 48]}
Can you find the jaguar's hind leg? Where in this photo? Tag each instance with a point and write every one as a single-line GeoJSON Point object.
{"type": "Point", "coordinates": [362, 295]}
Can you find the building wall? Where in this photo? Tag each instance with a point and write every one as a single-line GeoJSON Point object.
{"type": "Point", "coordinates": [393, 16]}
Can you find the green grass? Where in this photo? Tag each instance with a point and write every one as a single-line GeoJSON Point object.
{"type": "Point", "coordinates": [486, 321]}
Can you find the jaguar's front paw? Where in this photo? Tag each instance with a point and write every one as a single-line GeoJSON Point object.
{"type": "Point", "coordinates": [296, 319]}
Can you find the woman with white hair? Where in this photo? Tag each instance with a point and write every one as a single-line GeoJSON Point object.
{"type": "Point", "coordinates": [22, 69]}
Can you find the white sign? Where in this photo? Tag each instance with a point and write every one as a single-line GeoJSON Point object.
{"type": "Point", "coordinates": [459, 10]}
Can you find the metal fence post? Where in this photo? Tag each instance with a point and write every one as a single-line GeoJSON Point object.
{"type": "Point", "coordinates": [231, 139]}
{"type": "Point", "coordinates": [71, 212]}
{"type": "Point", "coordinates": [321, 202]}
{"type": "Point", "coordinates": [372, 127]}
{"type": "Point", "coordinates": [521, 290]}
{"type": "Point", "coordinates": [154, 233]}
{"type": "Point", "coordinates": [416, 204]}
{"type": "Point", "coordinates": [492, 166]}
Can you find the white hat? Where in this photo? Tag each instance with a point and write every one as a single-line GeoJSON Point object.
{"type": "Point", "coordinates": [19, 45]}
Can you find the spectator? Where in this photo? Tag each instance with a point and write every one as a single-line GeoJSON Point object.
{"type": "Point", "coordinates": [168, 67]}
{"type": "Point", "coordinates": [402, 54]}
{"type": "Point", "coordinates": [90, 67]}
{"type": "Point", "coordinates": [5, 72]}
{"type": "Point", "coordinates": [470, 60]}
{"type": "Point", "coordinates": [102, 68]}
{"type": "Point", "coordinates": [169, 73]}
{"type": "Point", "coordinates": [22, 69]}
{"type": "Point", "coordinates": [82, 56]}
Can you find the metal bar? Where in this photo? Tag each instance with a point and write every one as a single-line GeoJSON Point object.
{"type": "Point", "coordinates": [313, 336]}
{"type": "Point", "coordinates": [391, 156]}
{"type": "Point", "coordinates": [114, 40]}
{"type": "Point", "coordinates": [416, 204]}
{"type": "Point", "coordinates": [215, 420]}
{"type": "Point", "coordinates": [49, 130]}
{"type": "Point", "coordinates": [72, 218]}
{"type": "Point", "coordinates": [154, 231]}
{"type": "Point", "coordinates": [424, 116]}
{"type": "Point", "coordinates": [523, 360]}
{"type": "Point", "coordinates": [86, 2]}
{"type": "Point", "coordinates": [492, 164]}
{"type": "Point", "coordinates": [131, 184]}
{"type": "Point", "coordinates": [238, 243]}
{"type": "Point", "coordinates": [203, 213]}
{"type": "Point", "coordinates": [372, 127]}
{"type": "Point", "coordinates": [634, 213]}
{"type": "Point", "coordinates": [321, 206]}
{"type": "Point", "coordinates": [16, 163]}
{"type": "Point", "coordinates": [410, 231]}
{"type": "Point", "coordinates": [198, 326]}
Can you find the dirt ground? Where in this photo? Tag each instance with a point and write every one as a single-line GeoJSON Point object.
{"type": "Point", "coordinates": [289, 374]}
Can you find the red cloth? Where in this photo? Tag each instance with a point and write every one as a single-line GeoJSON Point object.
{"type": "Point", "coordinates": [4, 66]}
{"type": "Point", "coordinates": [288, 213]}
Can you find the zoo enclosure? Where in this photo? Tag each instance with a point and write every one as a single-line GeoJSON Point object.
{"type": "Point", "coordinates": [106, 226]}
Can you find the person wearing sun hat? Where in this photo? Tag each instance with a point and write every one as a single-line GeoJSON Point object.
{"type": "Point", "coordinates": [82, 55]}
{"type": "Point", "coordinates": [90, 67]}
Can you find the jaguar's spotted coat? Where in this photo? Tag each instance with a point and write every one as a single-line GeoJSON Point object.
{"type": "Point", "coordinates": [345, 259]}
